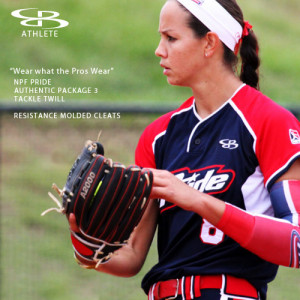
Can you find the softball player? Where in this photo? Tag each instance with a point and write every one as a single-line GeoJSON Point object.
{"type": "Point", "coordinates": [226, 166]}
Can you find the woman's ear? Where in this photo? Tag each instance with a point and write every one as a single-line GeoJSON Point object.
{"type": "Point", "coordinates": [213, 43]}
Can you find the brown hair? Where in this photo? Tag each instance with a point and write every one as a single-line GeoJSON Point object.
{"type": "Point", "coordinates": [250, 61]}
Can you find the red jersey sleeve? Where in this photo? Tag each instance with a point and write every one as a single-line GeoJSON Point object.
{"type": "Point", "coordinates": [276, 132]}
{"type": "Point", "coordinates": [144, 156]}
{"type": "Point", "coordinates": [144, 153]}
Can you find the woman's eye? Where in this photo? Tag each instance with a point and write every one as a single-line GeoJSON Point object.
{"type": "Point", "coordinates": [170, 38]}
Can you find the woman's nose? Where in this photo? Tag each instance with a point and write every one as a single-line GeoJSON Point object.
{"type": "Point", "coordinates": [160, 50]}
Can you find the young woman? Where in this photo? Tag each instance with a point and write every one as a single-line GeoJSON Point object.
{"type": "Point", "coordinates": [226, 166]}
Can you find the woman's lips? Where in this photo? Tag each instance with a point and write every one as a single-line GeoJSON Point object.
{"type": "Point", "coordinates": [166, 69]}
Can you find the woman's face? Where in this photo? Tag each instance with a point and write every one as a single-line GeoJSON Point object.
{"type": "Point", "coordinates": [181, 52]}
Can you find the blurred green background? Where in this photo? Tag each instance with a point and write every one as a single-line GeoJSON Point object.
{"type": "Point", "coordinates": [123, 35]}
{"type": "Point", "coordinates": [36, 255]}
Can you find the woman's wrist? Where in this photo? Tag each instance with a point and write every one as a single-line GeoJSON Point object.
{"type": "Point", "coordinates": [208, 207]}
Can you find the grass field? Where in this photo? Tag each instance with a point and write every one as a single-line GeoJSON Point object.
{"type": "Point", "coordinates": [36, 255]}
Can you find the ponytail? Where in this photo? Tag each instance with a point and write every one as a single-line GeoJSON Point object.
{"type": "Point", "coordinates": [248, 46]}
{"type": "Point", "coordinates": [250, 60]}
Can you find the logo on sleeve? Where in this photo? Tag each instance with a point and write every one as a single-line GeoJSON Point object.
{"type": "Point", "coordinates": [295, 250]}
{"type": "Point", "coordinates": [294, 136]}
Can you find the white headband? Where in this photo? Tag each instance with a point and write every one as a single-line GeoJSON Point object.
{"type": "Point", "coordinates": [217, 19]}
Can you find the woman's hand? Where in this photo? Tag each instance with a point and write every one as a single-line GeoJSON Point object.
{"type": "Point", "coordinates": [128, 260]}
{"type": "Point", "coordinates": [168, 187]}
{"type": "Point", "coordinates": [73, 224]}
{"type": "Point", "coordinates": [80, 260]}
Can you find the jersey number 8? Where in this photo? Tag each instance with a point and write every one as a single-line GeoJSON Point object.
{"type": "Point", "coordinates": [209, 234]}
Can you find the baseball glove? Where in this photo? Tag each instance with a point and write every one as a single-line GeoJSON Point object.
{"type": "Point", "coordinates": [108, 201]}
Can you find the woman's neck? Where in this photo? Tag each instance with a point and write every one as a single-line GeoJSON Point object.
{"type": "Point", "coordinates": [214, 92]}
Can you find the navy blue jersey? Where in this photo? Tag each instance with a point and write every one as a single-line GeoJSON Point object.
{"type": "Point", "coordinates": [235, 154]}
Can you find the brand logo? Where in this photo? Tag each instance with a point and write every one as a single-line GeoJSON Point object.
{"type": "Point", "coordinates": [42, 16]}
{"type": "Point", "coordinates": [238, 36]}
{"type": "Point", "coordinates": [294, 136]}
{"type": "Point", "coordinates": [199, 1]}
{"type": "Point", "coordinates": [229, 144]}
{"type": "Point", "coordinates": [87, 185]}
{"type": "Point", "coordinates": [295, 248]}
